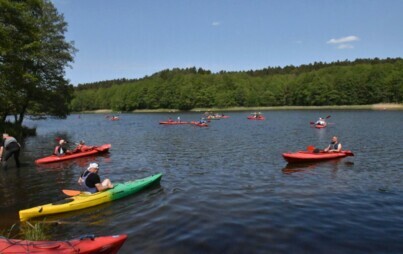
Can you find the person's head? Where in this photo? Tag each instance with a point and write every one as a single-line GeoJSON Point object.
{"type": "Point", "coordinates": [93, 167]}
{"type": "Point", "coordinates": [334, 139]}
{"type": "Point", "coordinates": [5, 135]}
{"type": "Point", "coordinates": [82, 142]}
{"type": "Point", "coordinates": [62, 142]}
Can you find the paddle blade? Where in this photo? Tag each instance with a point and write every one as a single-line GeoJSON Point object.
{"type": "Point", "coordinates": [310, 148]}
{"type": "Point", "coordinates": [312, 122]}
{"type": "Point", "coordinates": [328, 117]}
{"type": "Point", "coordinates": [71, 193]}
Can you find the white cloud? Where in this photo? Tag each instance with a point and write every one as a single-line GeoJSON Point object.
{"type": "Point", "coordinates": [345, 46]}
{"type": "Point", "coordinates": [343, 40]}
{"type": "Point", "coordinates": [215, 23]}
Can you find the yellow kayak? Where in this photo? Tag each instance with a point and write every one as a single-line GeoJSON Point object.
{"type": "Point", "coordinates": [85, 199]}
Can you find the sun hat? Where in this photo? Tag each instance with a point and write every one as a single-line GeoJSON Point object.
{"type": "Point", "coordinates": [93, 165]}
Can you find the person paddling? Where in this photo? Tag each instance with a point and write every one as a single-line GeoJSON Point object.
{"type": "Point", "coordinates": [61, 149]}
{"type": "Point", "coordinates": [91, 180]}
{"type": "Point", "coordinates": [334, 146]}
{"type": "Point", "coordinates": [9, 147]}
{"type": "Point", "coordinates": [321, 121]}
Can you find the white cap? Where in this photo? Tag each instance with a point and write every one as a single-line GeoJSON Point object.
{"type": "Point", "coordinates": [93, 165]}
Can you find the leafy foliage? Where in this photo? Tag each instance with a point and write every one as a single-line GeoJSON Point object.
{"type": "Point", "coordinates": [33, 55]}
{"type": "Point", "coordinates": [363, 81]}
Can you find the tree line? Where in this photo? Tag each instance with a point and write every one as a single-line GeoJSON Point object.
{"type": "Point", "coordinates": [359, 82]}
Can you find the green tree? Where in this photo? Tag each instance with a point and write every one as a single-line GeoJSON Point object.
{"type": "Point", "coordinates": [33, 57]}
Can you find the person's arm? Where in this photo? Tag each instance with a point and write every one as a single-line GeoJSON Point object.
{"type": "Point", "coordinates": [100, 187]}
{"type": "Point", "coordinates": [1, 152]}
{"type": "Point", "coordinates": [338, 148]}
{"type": "Point", "coordinates": [326, 149]}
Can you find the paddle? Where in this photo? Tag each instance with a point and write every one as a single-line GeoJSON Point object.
{"type": "Point", "coordinates": [71, 193]}
{"type": "Point", "coordinates": [310, 148]}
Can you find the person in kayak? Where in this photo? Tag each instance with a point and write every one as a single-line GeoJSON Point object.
{"type": "Point", "coordinates": [321, 121]}
{"type": "Point", "coordinates": [91, 180]}
{"type": "Point", "coordinates": [9, 147]}
{"type": "Point", "coordinates": [334, 146]}
{"type": "Point", "coordinates": [61, 149]}
{"type": "Point", "coordinates": [82, 147]}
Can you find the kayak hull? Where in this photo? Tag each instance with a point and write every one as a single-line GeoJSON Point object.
{"type": "Point", "coordinates": [256, 118]}
{"type": "Point", "coordinates": [320, 126]}
{"type": "Point", "coordinates": [199, 124]}
{"type": "Point", "coordinates": [306, 156]}
{"type": "Point", "coordinates": [85, 199]}
{"type": "Point", "coordinates": [54, 158]}
{"type": "Point", "coordinates": [86, 244]}
{"type": "Point", "coordinates": [173, 123]}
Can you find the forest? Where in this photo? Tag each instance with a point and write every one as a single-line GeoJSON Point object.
{"type": "Point", "coordinates": [358, 82]}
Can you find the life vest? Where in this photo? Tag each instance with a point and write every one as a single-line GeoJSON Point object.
{"type": "Point", "coordinates": [334, 146]}
{"type": "Point", "coordinates": [84, 177]}
{"type": "Point", "coordinates": [10, 140]}
{"type": "Point", "coordinates": [58, 150]}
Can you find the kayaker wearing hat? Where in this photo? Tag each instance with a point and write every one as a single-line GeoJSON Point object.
{"type": "Point", "coordinates": [61, 149]}
{"type": "Point", "coordinates": [91, 180]}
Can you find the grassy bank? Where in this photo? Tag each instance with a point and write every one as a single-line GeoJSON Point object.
{"type": "Point", "coordinates": [383, 106]}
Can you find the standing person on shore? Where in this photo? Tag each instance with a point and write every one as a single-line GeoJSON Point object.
{"type": "Point", "coordinates": [9, 146]}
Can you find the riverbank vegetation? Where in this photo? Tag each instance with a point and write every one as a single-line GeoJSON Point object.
{"type": "Point", "coordinates": [359, 82]}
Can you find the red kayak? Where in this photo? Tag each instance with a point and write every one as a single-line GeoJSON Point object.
{"type": "Point", "coordinates": [308, 156]}
{"type": "Point", "coordinates": [86, 244]}
{"type": "Point", "coordinates": [199, 124]}
{"type": "Point", "coordinates": [256, 118]}
{"type": "Point", "coordinates": [173, 122]}
{"type": "Point", "coordinates": [54, 158]}
{"type": "Point", "coordinates": [320, 126]}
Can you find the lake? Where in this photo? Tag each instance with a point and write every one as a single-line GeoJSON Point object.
{"type": "Point", "coordinates": [225, 188]}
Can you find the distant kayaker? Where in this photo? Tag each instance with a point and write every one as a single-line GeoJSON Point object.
{"type": "Point", "coordinates": [61, 149]}
{"type": "Point", "coordinates": [91, 180]}
{"type": "Point", "coordinates": [8, 147]}
{"type": "Point", "coordinates": [334, 146]}
{"type": "Point", "coordinates": [179, 119]}
{"type": "Point", "coordinates": [321, 121]}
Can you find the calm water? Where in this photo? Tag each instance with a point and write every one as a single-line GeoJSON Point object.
{"type": "Point", "coordinates": [226, 188]}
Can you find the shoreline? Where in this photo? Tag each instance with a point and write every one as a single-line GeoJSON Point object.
{"type": "Point", "coordinates": [380, 106]}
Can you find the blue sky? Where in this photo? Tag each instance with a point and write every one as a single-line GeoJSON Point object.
{"type": "Point", "coordinates": [134, 38]}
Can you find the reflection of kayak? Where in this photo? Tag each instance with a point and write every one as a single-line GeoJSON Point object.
{"type": "Point", "coordinates": [173, 122]}
{"type": "Point", "coordinates": [86, 244]}
{"type": "Point", "coordinates": [199, 124]}
{"type": "Point", "coordinates": [256, 118]}
{"type": "Point", "coordinates": [85, 199]}
{"type": "Point", "coordinates": [54, 158]}
{"type": "Point", "coordinates": [306, 156]}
